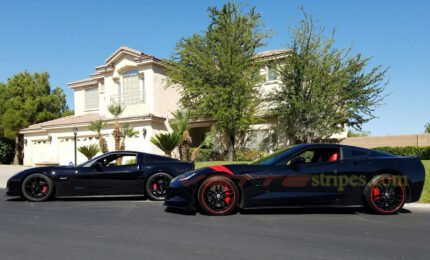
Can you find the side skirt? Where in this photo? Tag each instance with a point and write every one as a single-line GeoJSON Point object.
{"type": "Point", "coordinates": [306, 206]}
{"type": "Point", "coordinates": [103, 196]}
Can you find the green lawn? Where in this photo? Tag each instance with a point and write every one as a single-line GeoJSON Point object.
{"type": "Point", "coordinates": [425, 197]}
{"type": "Point", "coordinates": [207, 164]}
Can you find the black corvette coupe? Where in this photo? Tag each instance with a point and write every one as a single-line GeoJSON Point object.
{"type": "Point", "coordinates": [111, 174]}
{"type": "Point", "coordinates": [306, 175]}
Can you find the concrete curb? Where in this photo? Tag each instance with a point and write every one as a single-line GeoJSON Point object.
{"type": "Point", "coordinates": [418, 205]}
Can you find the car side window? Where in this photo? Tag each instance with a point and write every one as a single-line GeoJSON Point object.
{"type": "Point", "coordinates": [118, 160]}
{"type": "Point", "coordinates": [353, 153]}
{"type": "Point", "coordinates": [317, 155]}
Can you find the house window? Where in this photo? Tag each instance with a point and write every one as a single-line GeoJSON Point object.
{"type": "Point", "coordinates": [91, 98]}
{"type": "Point", "coordinates": [132, 89]}
{"type": "Point", "coordinates": [272, 73]}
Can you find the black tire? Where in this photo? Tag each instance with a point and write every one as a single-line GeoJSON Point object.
{"type": "Point", "coordinates": [37, 187]}
{"type": "Point", "coordinates": [157, 184]}
{"type": "Point", "coordinates": [218, 196]}
{"type": "Point", "coordinates": [385, 194]}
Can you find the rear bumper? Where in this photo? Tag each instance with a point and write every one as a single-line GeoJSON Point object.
{"type": "Point", "coordinates": [416, 190]}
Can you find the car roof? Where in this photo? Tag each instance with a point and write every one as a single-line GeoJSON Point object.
{"type": "Point", "coordinates": [328, 145]}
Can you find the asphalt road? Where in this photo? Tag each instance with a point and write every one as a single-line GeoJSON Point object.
{"type": "Point", "coordinates": [139, 229]}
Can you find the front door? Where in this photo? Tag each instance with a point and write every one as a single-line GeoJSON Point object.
{"type": "Point", "coordinates": [114, 174]}
{"type": "Point", "coordinates": [308, 181]}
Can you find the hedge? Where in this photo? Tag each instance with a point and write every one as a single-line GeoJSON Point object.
{"type": "Point", "coordinates": [7, 150]}
{"type": "Point", "coordinates": [205, 155]}
{"type": "Point", "coordinates": [422, 152]}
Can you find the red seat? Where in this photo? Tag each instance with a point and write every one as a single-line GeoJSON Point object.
{"type": "Point", "coordinates": [333, 157]}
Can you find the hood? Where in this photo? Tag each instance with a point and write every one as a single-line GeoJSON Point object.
{"type": "Point", "coordinates": [236, 169]}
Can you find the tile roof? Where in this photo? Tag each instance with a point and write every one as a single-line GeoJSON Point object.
{"type": "Point", "coordinates": [67, 121]}
{"type": "Point", "coordinates": [272, 53]}
{"type": "Point", "coordinates": [70, 121]}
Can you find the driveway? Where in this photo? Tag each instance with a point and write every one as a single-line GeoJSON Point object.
{"type": "Point", "coordinates": [139, 229]}
{"type": "Point", "coordinates": [6, 171]}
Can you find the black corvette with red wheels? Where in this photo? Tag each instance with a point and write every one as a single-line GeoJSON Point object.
{"type": "Point", "coordinates": [118, 173]}
{"type": "Point", "coordinates": [305, 175]}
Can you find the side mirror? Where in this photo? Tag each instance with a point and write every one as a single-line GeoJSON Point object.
{"type": "Point", "coordinates": [297, 161]}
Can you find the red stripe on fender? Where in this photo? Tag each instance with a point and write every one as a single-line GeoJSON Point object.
{"type": "Point", "coordinates": [221, 168]}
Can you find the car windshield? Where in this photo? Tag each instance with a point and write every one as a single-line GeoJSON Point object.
{"type": "Point", "coordinates": [89, 162]}
{"type": "Point", "coordinates": [274, 157]}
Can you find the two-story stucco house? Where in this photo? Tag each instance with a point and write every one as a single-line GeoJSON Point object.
{"type": "Point", "coordinates": [138, 81]}
{"type": "Point", "coordinates": [128, 76]}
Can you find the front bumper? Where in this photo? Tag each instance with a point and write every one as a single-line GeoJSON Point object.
{"type": "Point", "coordinates": [180, 196]}
{"type": "Point", "coordinates": [13, 188]}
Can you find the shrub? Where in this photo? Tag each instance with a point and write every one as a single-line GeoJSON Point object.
{"type": "Point", "coordinates": [422, 152]}
{"type": "Point", "coordinates": [205, 154]}
{"type": "Point", "coordinates": [89, 151]}
{"type": "Point", "coordinates": [7, 150]}
{"type": "Point", "coordinates": [249, 155]}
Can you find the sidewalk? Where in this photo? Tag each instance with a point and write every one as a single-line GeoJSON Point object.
{"type": "Point", "coordinates": [6, 171]}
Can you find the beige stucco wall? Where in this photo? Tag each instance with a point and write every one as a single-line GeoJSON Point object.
{"type": "Point", "coordinates": [394, 140]}
{"type": "Point", "coordinates": [166, 99]}
{"type": "Point", "coordinates": [60, 149]}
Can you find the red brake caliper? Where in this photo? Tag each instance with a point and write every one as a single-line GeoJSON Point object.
{"type": "Point", "coordinates": [376, 192]}
{"type": "Point", "coordinates": [154, 186]}
{"type": "Point", "coordinates": [227, 195]}
{"type": "Point", "coordinates": [45, 189]}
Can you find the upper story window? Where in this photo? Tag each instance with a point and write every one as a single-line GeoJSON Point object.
{"type": "Point", "coordinates": [131, 89]}
{"type": "Point", "coordinates": [272, 73]}
{"type": "Point", "coordinates": [91, 98]}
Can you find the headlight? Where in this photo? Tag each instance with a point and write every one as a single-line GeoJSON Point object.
{"type": "Point", "coordinates": [185, 176]}
{"type": "Point", "coordinates": [188, 176]}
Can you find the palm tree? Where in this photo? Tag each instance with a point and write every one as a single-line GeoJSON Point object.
{"type": "Point", "coordinates": [89, 151]}
{"type": "Point", "coordinates": [180, 126]}
{"type": "Point", "coordinates": [116, 110]}
{"type": "Point", "coordinates": [166, 142]}
{"type": "Point", "coordinates": [180, 120]}
{"type": "Point", "coordinates": [127, 132]}
{"type": "Point", "coordinates": [96, 126]}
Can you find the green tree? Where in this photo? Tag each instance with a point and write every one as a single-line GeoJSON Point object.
{"type": "Point", "coordinates": [215, 71]}
{"type": "Point", "coordinates": [127, 132]}
{"type": "Point", "coordinates": [324, 88]}
{"type": "Point", "coordinates": [96, 126]}
{"type": "Point", "coordinates": [28, 99]}
{"type": "Point", "coordinates": [116, 110]}
{"type": "Point", "coordinates": [352, 133]}
{"type": "Point", "coordinates": [427, 128]}
{"type": "Point", "coordinates": [89, 151]}
{"type": "Point", "coordinates": [166, 142]}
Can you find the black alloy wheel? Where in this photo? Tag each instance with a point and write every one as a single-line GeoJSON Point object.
{"type": "Point", "coordinates": [37, 187]}
{"type": "Point", "coordinates": [157, 184]}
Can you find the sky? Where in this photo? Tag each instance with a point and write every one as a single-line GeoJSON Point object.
{"type": "Point", "coordinates": [69, 38]}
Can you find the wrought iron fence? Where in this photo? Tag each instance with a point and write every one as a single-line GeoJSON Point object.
{"type": "Point", "coordinates": [130, 99]}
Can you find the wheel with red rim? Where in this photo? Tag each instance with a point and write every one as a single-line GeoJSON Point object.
{"type": "Point", "coordinates": [385, 194]}
{"type": "Point", "coordinates": [157, 184]}
{"type": "Point", "coordinates": [37, 187]}
{"type": "Point", "coordinates": [218, 196]}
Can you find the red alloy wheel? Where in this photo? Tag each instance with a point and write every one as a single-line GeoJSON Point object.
{"type": "Point", "coordinates": [387, 195]}
{"type": "Point", "coordinates": [218, 196]}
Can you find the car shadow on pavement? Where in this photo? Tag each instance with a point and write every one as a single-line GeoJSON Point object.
{"type": "Point", "coordinates": [88, 199]}
{"type": "Point", "coordinates": [291, 211]}
{"type": "Point", "coordinates": [180, 211]}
